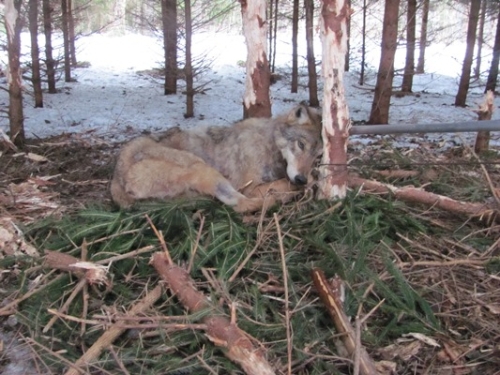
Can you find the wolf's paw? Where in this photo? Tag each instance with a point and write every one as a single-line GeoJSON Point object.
{"type": "Point", "coordinates": [249, 204]}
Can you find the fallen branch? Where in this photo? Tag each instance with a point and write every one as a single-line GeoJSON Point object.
{"type": "Point", "coordinates": [91, 272]}
{"type": "Point", "coordinates": [329, 295]}
{"type": "Point", "coordinates": [416, 195]}
{"type": "Point", "coordinates": [108, 337]}
{"type": "Point", "coordinates": [220, 330]}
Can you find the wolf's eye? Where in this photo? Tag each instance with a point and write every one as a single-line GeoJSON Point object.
{"type": "Point", "coordinates": [301, 145]}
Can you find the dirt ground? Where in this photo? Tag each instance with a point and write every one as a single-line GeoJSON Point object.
{"type": "Point", "coordinates": [76, 169]}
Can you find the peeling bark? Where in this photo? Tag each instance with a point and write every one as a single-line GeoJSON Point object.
{"type": "Point", "coordinates": [256, 101]}
{"type": "Point", "coordinates": [336, 123]}
{"type": "Point", "coordinates": [484, 112]}
{"type": "Point", "coordinates": [13, 26]}
{"type": "Point", "coordinates": [329, 294]}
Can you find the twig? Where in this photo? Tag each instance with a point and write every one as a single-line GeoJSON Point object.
{"type": "Point", "coordinates": [113, 332]}
{"type": "Point", "coordinates": [285, 284]}
{"type": "Point", "coordinates": [132, 254]}
{"type": "Point", "coordinates": [195, 246]}
{"type": "Point", "coordinates": [159, 235]}
{"type": "Point", "coordinates": [118, 360]}
{"type": "Point", "coordinates": [9, 308]}
{"type": "Point", "coordinates": [451, 263]}
{"type": "Point", "coordinates": [330, 297]}
{"type": "Point", "coordinates": [81, 284]}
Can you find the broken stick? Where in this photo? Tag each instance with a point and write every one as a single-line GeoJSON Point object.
{"type": "Point", "coordinates": [331, 298]}
{"type": "Point", "coordinates": [220, 330]}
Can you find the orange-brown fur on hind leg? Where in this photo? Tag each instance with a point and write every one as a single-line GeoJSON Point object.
{"type": "Point", "coordinates": [148, 170]}
{"type": "Point", "coordinates": [264, 155]}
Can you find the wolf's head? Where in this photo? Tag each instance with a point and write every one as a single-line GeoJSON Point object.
{"type": "Point", "coordinates": [298, 136]}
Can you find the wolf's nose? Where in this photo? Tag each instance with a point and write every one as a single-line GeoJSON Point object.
{"type": "Point", "coordinates": [300, 179]}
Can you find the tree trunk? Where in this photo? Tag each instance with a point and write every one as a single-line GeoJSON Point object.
{"type": "Point", "coordinates": [35, 55]}
{"type": "Point", "coordinates": [311, 61]}
{"type": "Point", "coordinates": [336, 123]}
{"type": "Point", "coordinates": [484, 112]}
{"type": "Point", "coordinates": [47, 29]}
{"type": "Point", "coordinates": [463, 86]}
{"type": "Point", "coordinates": [169, 20]}
{"type": "Point", "coordinates": [423, 37]}
{"type": "Point", "coordinates": [188, 68]}
{"type": "Point", "coordinates": [348, 46]}
{"type": "Point", "coordinates": [480, 40]}
{"type": "Point", "coordinates": [295, 57]}
{"type": "Point", "coordinates": [383, 88]}
{"type": "Point", "coordinates": [491, 84]}
{"type": "Point", "coordinates": [71, 35]}
{"type": "Point", "coordinates": [270, 34]}
{"type": "Point", "coordinates": [13, 26]}
{"type": "Point", "coordinates": [410, 46]}
{"type": "Point", "coordinates": [256, 101]}
{"type": "Point", "coordinates": [363, 47]}
{"type": "Point", "coordinates": [65, 31]}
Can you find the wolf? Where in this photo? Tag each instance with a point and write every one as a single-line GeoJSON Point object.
{"type": "Point", "coordinates": [239, 165]}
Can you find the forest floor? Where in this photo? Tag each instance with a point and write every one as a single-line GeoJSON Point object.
{"type": "Point", "coordinates": [432, 277]}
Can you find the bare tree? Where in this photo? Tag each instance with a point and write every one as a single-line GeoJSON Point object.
{"type": "Point", "coordinates": [188, 68]}
{"type": "Point", "coordinates": [491, 83]}
{"type": "Point", "coordinates": [13, 26]}
{"type": "Point", "coordinates": [410, 46]}
{"type": "Point", "coordinates": [336, 123]}
{"type": "Point", "coordinates": [363, 46]}
{"type": "Point", "coordinates": [383, 88]}
{"type": "Point", "coordinates": [169, 21]}
{"type": "Point", "coordinates": [463, 86]}
{"type": "Point", "coordinates": [295, 57]}
{"type": "Point", "coordinates": [35, 55]}
{"type": "Point", "coordinates": [273, 31]}
{"type": "Point", "coordinates": [348, 46]}
{"type": "Point", "coordinates": [49, 59]}
{"type": "Point", "coordinates": [423, 37]}
{"type": "Point", "coordinates": [256, 101]}
{"type": "Point", "coordinates": [480, 39]}
{"type": "Point", "coordinates": [65, 30]}
{"type": "Point", "coordinates": [71, 35]}
{"type": "Point", "coordinates": [311, 61]}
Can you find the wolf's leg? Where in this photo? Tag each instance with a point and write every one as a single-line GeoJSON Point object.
{"type": "Point", "coordinates": [273, 192]}
{"type": "Point", "coordinates": [150, 178]}
{"type": "Point", "coordinates": [207, 180]}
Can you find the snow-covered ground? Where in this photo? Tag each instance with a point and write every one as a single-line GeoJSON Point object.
{"type": "Point", "coordinates": [116, 99]}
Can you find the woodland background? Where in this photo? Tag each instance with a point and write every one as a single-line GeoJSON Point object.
{"type": "Point", "coordinates": [417, 280]}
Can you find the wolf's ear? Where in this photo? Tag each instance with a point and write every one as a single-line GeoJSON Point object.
{"type": "Point", "coordinates": [299, 115]}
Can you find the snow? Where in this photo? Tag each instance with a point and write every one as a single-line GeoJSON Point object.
{"type": "Point", "coordinates": [115, 98]}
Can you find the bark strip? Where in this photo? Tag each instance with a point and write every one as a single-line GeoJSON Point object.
{"type": "Point", "coordinates": [484, 113]}
{"type": "Point", "coordinates": [220, 330]}
{"type": "Point", "coordinates": [329, 295]}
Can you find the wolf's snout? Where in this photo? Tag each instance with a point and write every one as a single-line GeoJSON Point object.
{"type": "Point", "coordinates": [300, 179]}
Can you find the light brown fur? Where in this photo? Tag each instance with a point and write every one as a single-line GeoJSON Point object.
{"type": "Point", "coordinates": [254, 156]}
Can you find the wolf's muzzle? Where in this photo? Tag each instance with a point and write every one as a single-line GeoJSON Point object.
{"type": "Point", "coordinates": [300, 179]}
